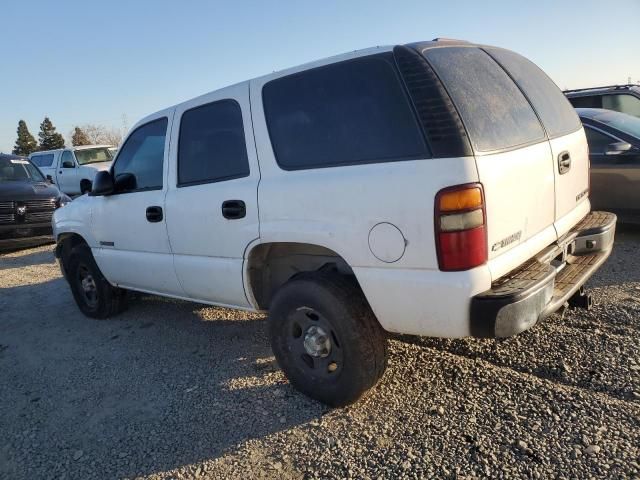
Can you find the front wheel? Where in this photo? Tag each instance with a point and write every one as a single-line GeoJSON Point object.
{"type": "Point", "coordinates": [326, 339]}
{"type": "Point", "coordinates": [92, 292]}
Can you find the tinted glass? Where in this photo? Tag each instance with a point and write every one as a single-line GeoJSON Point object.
{"type": "Point", "coordinates": [211, 145]}
{"type": "Point", "coordinates": [43, 160]}
{"type": "Point", "coordinates": [18, 170]}
{"type": "Point", "coordinates": [597, 141]}
{"type": "Point", "coordinates": [142, 155]}
{"type": "Point", "coordinates": [592, 101]}
{"type": "Point", "coordinates": [556, 113]}
{"type": "Point", "coordinates": [494, 110]}
{"type": "Point", "coordinates": [622, 103]}
{"type": "Point", "coordinates": [344, 113]}
{"type": "Point", "coordinates": [67, 156]}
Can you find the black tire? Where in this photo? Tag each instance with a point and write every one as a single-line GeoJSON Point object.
{"type": "Point", "coordinates": [96, 298]}
{"type": "Point", "coordinates": [341, 371]}
{"type": "Point", "coordinates": [85, 186]}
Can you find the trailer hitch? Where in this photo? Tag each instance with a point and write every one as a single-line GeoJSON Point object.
{"type": "Point", "coordinates": [581, 299]}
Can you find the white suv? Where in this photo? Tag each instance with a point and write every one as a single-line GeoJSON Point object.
{"type": "Point", "coordinates": [437, 188]}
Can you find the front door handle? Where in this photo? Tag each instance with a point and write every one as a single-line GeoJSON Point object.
{"type": "Point", "coordinates": [154, 214]}
{"type": "Point", "coordinates": [564, 162]}
{"type": "Point", "coordinates": [234, 209]}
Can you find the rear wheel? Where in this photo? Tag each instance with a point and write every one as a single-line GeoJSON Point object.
{"type": "Point", "coordinates": [326, 338]}
{"type": "Point", "coordinates": [95, 297]}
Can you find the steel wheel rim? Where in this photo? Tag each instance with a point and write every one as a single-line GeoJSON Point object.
{"type": "Point", "coordinates": [88, 287]}
{"type": "Point", "coordinates": [314, 343]}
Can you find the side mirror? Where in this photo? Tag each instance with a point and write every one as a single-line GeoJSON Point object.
{"type": "Point", "coordinates": [616, 148]}
{"type": "Point", "coordinates": [49, 179]}
{"type": "Point", "coordinates": [102, 184]}
{"type": "Point", "coordinates": [68, 164]}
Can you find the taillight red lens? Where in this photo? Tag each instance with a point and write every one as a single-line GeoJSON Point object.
{"type": "Point", "coordinates": [462, 250]}
{"type": "Point", "coordinates": [460, 225]}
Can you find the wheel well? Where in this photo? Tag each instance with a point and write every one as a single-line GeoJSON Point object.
{"type": "Point", "coordinates": [66, 242]}
{"type": "Point", "coordinates": [271, 265]}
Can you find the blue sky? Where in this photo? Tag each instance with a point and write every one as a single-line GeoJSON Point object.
{"type": "Point", "coordinates": [93, 62]}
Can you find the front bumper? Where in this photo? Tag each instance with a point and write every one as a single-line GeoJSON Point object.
{"type": "Point", "coordinates": [544, 284]}
{"type": "Point", "coordinates": [24, 234]}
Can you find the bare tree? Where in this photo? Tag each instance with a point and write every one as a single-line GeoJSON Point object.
{"type": "Point", "coordinates": [101, 135]}
{"type": "Point", "coordinates": [79, 137]}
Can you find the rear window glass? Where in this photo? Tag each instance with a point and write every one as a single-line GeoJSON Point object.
{"type": "Point", "coordinates": [211, 146]}
{"type": "Point", "coordinates": [556, 113]}
{"type": "Point", "coordinates": [43, 160]}
{"type": "Point", "coordinates": [342, 114]}
{"type": "Point", "coordinates": [495, 112]}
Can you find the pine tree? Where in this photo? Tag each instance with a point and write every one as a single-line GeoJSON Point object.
{"type": "Point", "coordinates": [25, 144]}
{"type": "Point", "coordinates": [49, 138]}
{"type": "Point", "coordinates": [79, 137]}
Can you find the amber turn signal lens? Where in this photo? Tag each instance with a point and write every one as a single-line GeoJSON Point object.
{"type": "Point", "coordinates": [457, 200]}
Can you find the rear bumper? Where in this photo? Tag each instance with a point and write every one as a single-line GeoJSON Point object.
{"type": "Point", "coordinates": [544, 284]}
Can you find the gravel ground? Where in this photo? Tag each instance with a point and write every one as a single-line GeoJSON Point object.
{"type": "Point", "coordinates": [177, 390]}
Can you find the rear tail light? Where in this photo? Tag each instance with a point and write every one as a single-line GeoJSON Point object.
{"type": "Point", "coordinates": [461, 237]}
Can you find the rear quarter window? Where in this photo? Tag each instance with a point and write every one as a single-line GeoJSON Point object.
{"type": "Point", "coordinates": [553, 108]}
{"type": "Point", "coordinates": [622, 102]}
{"type": "Point", "coordinates": [344, 113]}
{"type": "Point", "coordinates": [494, 110]}
{"type": "Point", "coordinates": [42, 160]}
{"type": "Point", "coordinates": [590, 101]}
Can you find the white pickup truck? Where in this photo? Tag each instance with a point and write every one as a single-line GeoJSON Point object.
{"type": "Point", "coordinates": [73, 169]}
{"type": "Point", "coordinates": [437, 188]}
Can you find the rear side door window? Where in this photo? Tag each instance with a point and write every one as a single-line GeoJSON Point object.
{"type": "Point", "coordinates": [142, 156]}
{"type": "Point", "coordinates": [211, 146]}
{"type": "Point", "coordinates": [555, 112]}
{"type": "Point", "coordinates": [494, 110]}
{"type": "Point", "coordinates": [43, 160]}
{"type": "Point", "coordinates": [345, 113]}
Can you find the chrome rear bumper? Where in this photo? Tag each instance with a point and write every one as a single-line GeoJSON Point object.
{"type": "Point", "coordinates": [544, 284]}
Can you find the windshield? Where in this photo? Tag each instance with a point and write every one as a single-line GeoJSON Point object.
{"type": "Point", "coordinates": [625, 123]}
{"type": "Point", "coordinates": [93, 155]}
{"type": "Point", "coordinates": [18, 170]}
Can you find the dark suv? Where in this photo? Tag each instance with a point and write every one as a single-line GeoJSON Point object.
{"type": "Point", "coordinates": [621, 98]}
{"type": "Point", "coordinates": [27, 202]}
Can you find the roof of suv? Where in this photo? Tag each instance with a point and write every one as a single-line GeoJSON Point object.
{"type": "Point", "coordinates": [420, 46]}
{"type": "Point", "coordinates": [583, 92]}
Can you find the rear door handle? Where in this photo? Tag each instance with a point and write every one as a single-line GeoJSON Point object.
{"type": "Point", "coordinates": [154, 214]}
{"type": "Point", "coordinates": [234, 209]}
{"type": "Point", "coordinates": [564, 162]}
